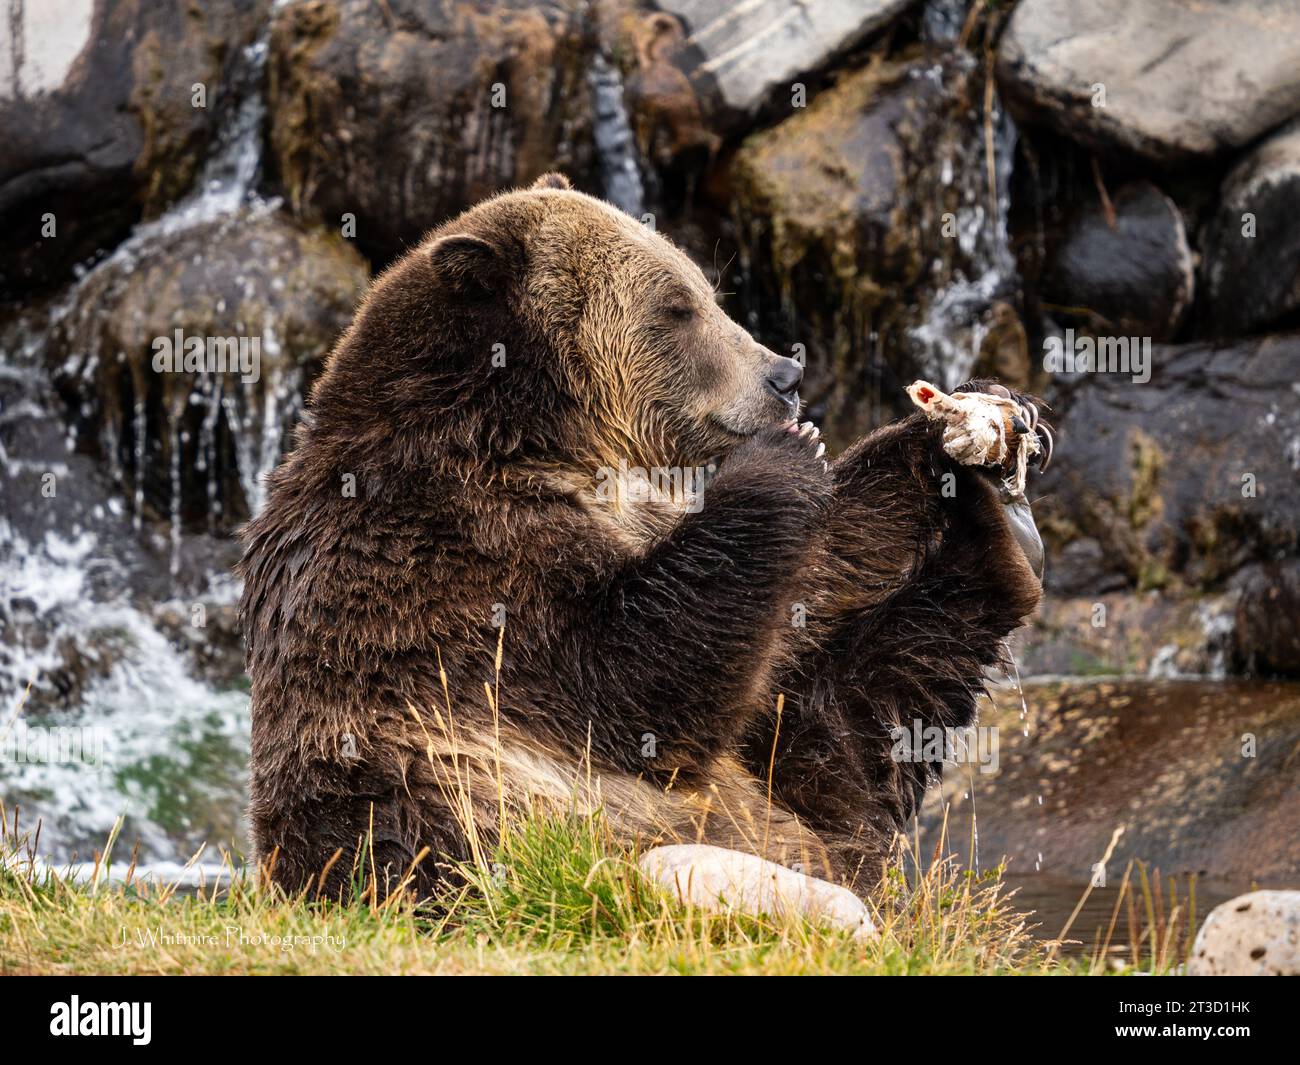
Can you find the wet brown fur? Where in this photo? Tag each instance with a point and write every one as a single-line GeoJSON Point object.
{"type": "Point", "coordinates": [644, 644]}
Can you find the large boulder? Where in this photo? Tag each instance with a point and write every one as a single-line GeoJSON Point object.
{"type": "Point", "coordinates": [1131, 272]}
{"type": "Point", "coordinates": [1183, 479]}
{"type": "Point", "coordinates": [191, 440]}
{"type": "Point", "coordinates": [1252, 247]}
{"type": "Point", "coordinates": [868, 227]}
{"type": "Point", "coordinates": [1252, 935]}
{"type": "Point", "coordinates": [739, 54]}
{"type": "Point", "coordinates": [1179, 80]}
{"type": "Point", "coordinates": [404, 113]}
{"type": "Point", "coordinates": [97, 107]}
{"type": "Point", "coordinates": [1266, 638]}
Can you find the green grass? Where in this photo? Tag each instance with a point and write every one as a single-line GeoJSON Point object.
{"type": "Point", "coordinates": [558, 895]}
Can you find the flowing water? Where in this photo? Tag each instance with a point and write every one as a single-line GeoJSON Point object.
{"type": "Point", "coordinates": [948, 339]}
{"type": "Point", "coordinates": [102, 714]}
{"type": "Point", "coordinates": [615, 147]}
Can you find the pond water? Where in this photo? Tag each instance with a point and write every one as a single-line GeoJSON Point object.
{"type": "Point", "coordinates": [1105, 916]}
{"type": "Point", "coordinates": [1189, 779]}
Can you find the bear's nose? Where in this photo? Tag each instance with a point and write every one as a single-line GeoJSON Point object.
{"type": "Point", "coordinates": [784, 377]}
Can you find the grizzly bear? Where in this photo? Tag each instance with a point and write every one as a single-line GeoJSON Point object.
{"type": "Point", "coordinates": [462, 594]}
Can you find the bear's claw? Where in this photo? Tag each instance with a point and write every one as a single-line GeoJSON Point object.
{"type": "Point", "coordinates": [1028, 410]}
{"type": "Point", "coordinates": [985, 424]}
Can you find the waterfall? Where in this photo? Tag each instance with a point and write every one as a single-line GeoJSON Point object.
{"type": "Point", "coordinates": [615, 145]}
{"type": "Point", "coordinates": [225, 187]}
{"type": "Point", "coordinates": [226, 182]}
{"type": "Point", "coordinates": [948, 338]}
{"type": "Point", "coordinates": [146, 740]}
{"type": "Point", "coordinates": [102, 713]}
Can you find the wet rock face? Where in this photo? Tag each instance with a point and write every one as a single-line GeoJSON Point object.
{"type": "Point", "coordinates": [1184, 479]}
{"type": "Point", "coordinates": [188, 429]}
{"type": "Point", "coordinates": [1252, 260]}
{"type": "Point", "coordinates": [1136, 276]}
{"type": "Point", "coordinates": [406, 112]}
{"type": "Point", "coordinates": [1121, 634]}
{"type": "Point", "coordinates": [671, 129]}
{"type": "Point", "coordinates": [1266, 636]}
{"type": "Point", "coordinates": [868, 220]}
{"type": "Point", "coordinates": [1235, 60]}
{"type": "Point", "coordinates": [97, 107]}
{"type": "Point", "coordinates": [1252, 935]}
{"type": "Point", "coordinates": [738, 55]}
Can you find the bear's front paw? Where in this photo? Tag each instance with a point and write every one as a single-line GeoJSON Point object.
{"type": "Point", "coordinates": [1030, 419]}
{"type": "Point", "coordinates": [788, 458]}
{"type": "Point", "coordinates": [984, 424]}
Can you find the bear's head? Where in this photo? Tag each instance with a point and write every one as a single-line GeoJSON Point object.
{"type": "Point", "coordinates": [544, 326]}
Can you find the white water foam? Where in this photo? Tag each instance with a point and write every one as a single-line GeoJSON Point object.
{"type": "Point", "coordinates": [158, 729]}
{"type": "Point", "coordinates": [143, 709]}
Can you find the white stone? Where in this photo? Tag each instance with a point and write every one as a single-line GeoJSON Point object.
{"type": "Point", "coordinates": [1179, 79]}
{"type": "Point", "coordinates": [1252, 935]}
{"type": "Point", "coordinates": [752, 46]}
{"type": "Point", "coordinates": [720, 881]}
{"type": "Point", "coordinates": [37, 50]}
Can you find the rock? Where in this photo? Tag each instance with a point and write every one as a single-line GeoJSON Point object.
{"type": "Point", "coordinates": [1252, 247]}
{"type": "Point", "coordinates": [276, 290]}
{"type": "Point", "coordinates": [739, 54]}
{"type": "Point", "coordinates": [1136, 278]}
{"type": "Point", "coordinates": [884, 258]}
{"type": "Point", "coordinates": [96, 109]}
{"type": "Point", "coordinates": [1253, 935]}
{"type": "Point", "coordinates": [386, 111]}
{"type": "Point", "coordinates": [1236, 61]}
{"type": "Point", "coordinates": [1076, 568]}
{"type": "Point", "coordinates": [1199, 775]}
{"type": "Point", "coordinates": [722, 881]}
{"type": "Point", "coordinates": [1123, 634]}
{"type": "Point", "coordinates": [702, 70]}
{"type": "Point", "coordinates": [1182, 480]}
{"type": "Point", "coordinates": [1004, 349]}
{"type": "Point", "coordinates": [671, 130]}
{"type": "Point", "coordinates": [1266, 637]}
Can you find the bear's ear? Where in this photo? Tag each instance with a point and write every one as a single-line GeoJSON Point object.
{"type": "Point", "coordinates": [552, 181]}
{"type": "Point", "coordinates": [467, 263]}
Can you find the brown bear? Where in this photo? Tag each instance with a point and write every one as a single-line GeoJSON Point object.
{"type": "Point", "coordinates": [462, 593]}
